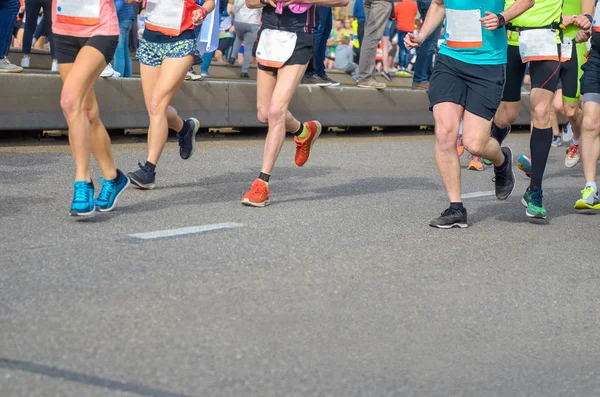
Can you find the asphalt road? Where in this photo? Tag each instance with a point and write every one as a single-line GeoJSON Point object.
{"type": "Point", "coordinates": [339, 288]}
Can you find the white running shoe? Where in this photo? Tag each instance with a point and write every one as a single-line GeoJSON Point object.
{"type": "Point", "coordinates": [25, 62]}
{"type": "Point", "coordinates": [567, 134]}
{"type": "Point", "coordinates": [7, 67]}
{"type": "Point", "coordinates": [193, 76]}
{"type": "Point", "coordinates": [573, 156]}
{"type": "Point", "coordinates": [108, 71]}
{"type": "Point", "coordinates": [55, 66]}
{"type": "Point", "coordinates": [557, 141]}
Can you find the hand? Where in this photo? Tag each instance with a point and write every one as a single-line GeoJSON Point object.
{"type": "Point", "coordinates": [198, 16]}
{"type": "Point", "coordinates": [583, 36]}
{"type": "Point", "coordinates": [582, 22]}
{"type": "Point", "coordinates": [490, 21]}
{"type": "Point", "coordinates": [272, 3]}
{"type": "Point", "coordinates": [412, 41]}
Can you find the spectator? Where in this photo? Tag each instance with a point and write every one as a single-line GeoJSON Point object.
{"type": "Point", "coordinates": [315, 71]}
{"type": "Point", "coordinates": [246, 22]}
{"type": "Point", "coordinates": [32, 10]}
{"type": "Point", "coordinates": [207, 57]}
{"type": "Point", "coordinates": [126, 14]}
{"type": "Point", "coordinates": [377, 13]}
{"type": "Point", "coordinates": [388, 35]}
{"type": "Point", "coordinates": [9, 9]}
{"type": "Point", "coordinates": [344, 58]}
{"type": "Point", "coordinates": [406, 12]}
{"type": "Point", "coordinates": [424, 61]}
{"type": "Point", "coordinates": [18, 27]}
{"type": "Point", "coordinates": [226, 34]}
{"type": "Point", "coordinates": [359, 14]}
{"type": "Point", "coordinates": [334, 41]}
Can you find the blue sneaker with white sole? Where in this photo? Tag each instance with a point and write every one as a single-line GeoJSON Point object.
{"type": "Point", "coordinates": [83, 199]}
{"type": "Point", "coordinates": [187, 142]}
{"type": "Point", "coordinates": [111, 190]}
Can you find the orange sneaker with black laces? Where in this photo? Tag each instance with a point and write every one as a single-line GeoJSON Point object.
{"type": "Point", "coordinates": [258, 195]}
{"type": "Point", "coordinates": [303, 147]}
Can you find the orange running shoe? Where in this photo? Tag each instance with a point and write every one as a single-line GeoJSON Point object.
{"type": "Point", "coordinates": [460, 148]}
{"type": "Point", "coordinates": [476, 164]}
{"type": "Point", "coordinates": [258, 195]}
{"type": "Point", "coordinates": [303, 147]}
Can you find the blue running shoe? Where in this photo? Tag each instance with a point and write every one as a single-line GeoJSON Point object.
{"type": "Point", "coordinates": [524, 164]}
{"type": "Point", "coordinates": [143, 178]}
{"type": "Point", "coordinates": [187, 142]}
{"type": "Point", "coordinates": [111, 190]}
{"type": "Point", "coordinates": [83, 199]}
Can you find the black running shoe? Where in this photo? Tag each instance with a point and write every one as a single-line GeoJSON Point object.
{"type": "Point", "coordinates": [142, 178]}
{"type": "Point", "coordinates": [451, 217]}
{"type": "Point", "coordinates": [505, 179]}
{"type": "Point", "coordinates": [187, 143]}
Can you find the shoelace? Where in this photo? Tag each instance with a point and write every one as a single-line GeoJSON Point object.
{"type": "Point", "coordinates": [572, 151]}
{"type": "Point", "coordinates": [258, 188]}
{"type": "Point", "coordinates": [81, 194]}
{"type": "Point", "coordinates": [108, 187]}
{"type": "Point", "coordinates": [536, 197]}
{"type": "Point", "coordinates": [450, 211]}
{"type": "Point", "coordinates": [303, 146]}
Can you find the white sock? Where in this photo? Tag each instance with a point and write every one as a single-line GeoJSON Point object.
{"type": "Point", "coordinates": [592, 184]}
{"type": "Point", "coordinates": [574, 142]}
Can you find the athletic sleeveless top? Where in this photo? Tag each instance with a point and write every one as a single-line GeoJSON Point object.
{"type": "Point", "coordinates": [543, 13]}
{"type": "Point", "coordinates": [82, 19]}
{"type": "Point", "coordinates": [288, 21]}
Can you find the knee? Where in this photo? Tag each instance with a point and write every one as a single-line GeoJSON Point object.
{"type": "Point", "coordinates": [277, 112]}
{"type": "Point", "coordinates": [474, 145]}
{"type": "Point", "coordinates": [541, 113]}
{"type": "Point", "coordinates": [446, 135]}
{"type": "Point", "coordinates": [263, 115]}
{"type": "Point", "coordinates": [156, 108]}
{"type": "Point", "coordinates": [70, 103]}
{"type": "Point", "coordinates": [591, 124]}
{"type": "Point", "coordinates": [506, 115]}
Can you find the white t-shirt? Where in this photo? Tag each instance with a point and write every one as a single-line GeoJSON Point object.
{"type": "Point", "coordinates": [245, 14]}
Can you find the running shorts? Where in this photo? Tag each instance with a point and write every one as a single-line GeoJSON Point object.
{"type": "Point", "coordinates": [67, 47]}
{"type": "Point", "coordinates": [571, 72]}
{"type": "Point", "coordinates": [544, 74]}
{"type": "Point", "coordinates": [590, 81]}
{"type": "Point", "coordinates": [477, 88]}
{"type": "Point", "coordinates": [303, 52]}
{"type": "Point", "coordinates": [152, 53]}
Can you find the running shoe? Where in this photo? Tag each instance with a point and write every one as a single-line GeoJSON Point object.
{"type": "Point", "coordinates": [557, 141]}
{"type": "Point", "coordinates": [303, 148]}
{"type": "Point", "coordinates": [55, 67]}
{"type": "Point", "coordinates": [424, 86]}
{"type": "Point", "coordinates": [532, 199]}
{"type": "Point", "coordinates": [386, 75]}
{"type": "Point", "coordinates": [143, 178]}
{"type": "Point", "coordinates": [7, 67]}
{"type": "Point", "coordinates": [476, 164]}
{"type": "Point", "coordinates": [326, 81]}
{"type": "Point", "coordinates": [505, 179]}
{"type": "Point", "coordinates": [83, 199]}
{"type": "Point", "coordinates": [312, 80]}
{"type": "Point", "coordinates": [524, 164]}
{"type": "Point", "coordinates": [258, 195]}
{"type": "Point", "coordinates": [450, 218]}
{"type": "Point", "coordinates": [25, 62]}
{"type": "Point", "coordinates": [404, 73]}
{"type": "Point", "coordinates": [193, 76]}
{"type": "Point", "coordinates": [589, 199]}
{"type": "Point", "coordinates": [371, 83]}
{"type": "Point", "coordinates": [567, 133]}
{"type": "Point", "coordinates": [111, 190]}
{"type": "Point", "coordinates": [244, 75]}
{"type": "Point", "coordinates": [460, 148]}
{"type": "Point", "coordinates": [187, 143]}
{"type": "Point", "coordinates": [487, 162]}
{"type": "Point", "coordinates": [108, 71]}
{"type": "Point", "coordinates": [573, 156]}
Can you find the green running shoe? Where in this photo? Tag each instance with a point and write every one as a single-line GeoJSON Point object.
{"type": "Point", "coordinates": [532, 199]}
{"type": "Point", "coordinates": [589, 199]}
{"type": "Point", "coordinates": [487, 162]}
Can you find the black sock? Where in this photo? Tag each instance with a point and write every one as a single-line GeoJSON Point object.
{"type": "Point", "coordinates": [264, 177]}
{"type": "Point", "coordinates": [185, 129]}
{"type": "Point", "coordinates": [151, 167]}
{"type": "Point", "coordinates": [498, 133]}
{"type": "Point", "coordinates": [457, 206]}
{"type": "Point", "coordinates": [540, 143]}
{"type": "Point", "coordinates": [504, 164]}
{"type": "Point", "coordinates": [300, 129]}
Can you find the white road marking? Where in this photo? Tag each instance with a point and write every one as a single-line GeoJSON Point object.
{"type": "Point", "coordinates": [478, 194]}
{"type": "Point", "coordinates": [185, 230]}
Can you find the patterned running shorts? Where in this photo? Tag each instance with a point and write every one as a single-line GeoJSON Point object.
{"type": "Point", "coordinates": [153, 54]}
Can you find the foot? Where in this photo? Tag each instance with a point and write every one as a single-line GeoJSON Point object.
{"type": "Point", "coordinates": [231, 60]}
{"type": "Point", "coordinates": [386, 75]}
{"type": "Point", "coordinates": [589, 199]}
{"type": "Point", "coordinates": [567, 132]}
{"type": "Point", "coordinates": [573, 156]}
{"type": "Point", "coordinates": [83, 199]}
{"type": "Point", "coordinates": [524, 164]}
{"type": "Point", "coordinates": [244, 75]}
{"type": "Point", "coordinates": [505, 178]}
{"type": "Point", "coordinates": [258, 195]}
{"type": "Point", "coordinates": [108, 71]}
{"type": "Point", "coordinates": [557, 141]}
{"type": "Point", "coordinates": [143, 178]}
{"type": "Point", "coordinates": [371, 83]}
{"type": "Point", "coordinates": [55, 67]}
{"type": "Point", "coordinates": [303, 147]}
{"type": "Point", "coordinates": [450, 218]}
{"type": "Point", "coordinates": [111, 190]}
{"type": "Point", "coordinates": [460, 148]}
{"type": "Point", "coordinates": [404, 73]}
{"type": "Point", "coordinates": [532, 199]}
{"type": "Point", "coordinates": [25, 62]}
{"type": "Point", "coordinates": [187, 143]}
{"type": "Point", "coordinates": [476, 164]}
{"type": "Point", "coordinates": [421, 86]}
{"type": "Point", "coordinates": [193, 76]}
{"type": "Point", "coordinates": [311, 80]}
{"type": "Point", "coordinates": [7, 67]}
{"type": "Point", "coordinates": [329, 82]}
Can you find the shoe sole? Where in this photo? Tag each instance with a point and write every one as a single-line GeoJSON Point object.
{"type": "Point", "coordinates": [582, 205]}
{"type": "Point", "coordinates": [454, 225]}
{"type": "Point", "coordinates": [12, 70]}
{"type": "Point", "coordinates": [388, 78]}
{"type": "Point", "coordinates": [572, 165]}
{"type": "Point", "coordinates": [370, 86]}
{"type": "Point", "coordinates": [317, 134]}
{"type": "Point", "coordinates": [196, 128]}
{"type": "Point", "coordinates": [476, 169]}
{"type": "Point", "coordinates": [140, 185]}
{"type": "Point", "coordinates": [116, 198]}
{"type": "Point", "coordinates": [512, 170]}
{"type": "Point", "coordinates": [323, 84]}
{"type": "Point", "coordinates": [524, 202]}
{"type": "Point", "coordinates": [249, 203]}
{"type": "Point", "coordinates": [82, 214]}
{"type": "Point", "coordinates": [534, 216]}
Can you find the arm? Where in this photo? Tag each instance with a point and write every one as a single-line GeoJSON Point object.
{"type": "Point", "coordinates": [585, 20]}
{"type": "Point", "coordinates": [491, 21]}
{"type": "Point", "coordinates": [202, 11]}
{"type": "Point", "coordinates": [326, 3]}
{"type": "Point", "coordinates": [256, 4]}
{"type": "Point", "coordinates": [435, 16]}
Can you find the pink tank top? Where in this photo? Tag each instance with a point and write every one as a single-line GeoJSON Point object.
{"type": "Point", "coordinates": [85, 18]}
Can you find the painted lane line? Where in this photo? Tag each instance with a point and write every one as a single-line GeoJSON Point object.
{"type": "Point", "coordinates": [479, 194]}
{"type": "Point", "coordinates": [184, 231]}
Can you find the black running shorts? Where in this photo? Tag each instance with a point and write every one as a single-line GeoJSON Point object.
{"type": "Point", "coordinates": [544, 74]}
{"type": "Point", "coordinates": [67, 47]}
{"type": "Point", "coordinates": [478, 88]}
{"type": "Point", "coordinates": [590, 81]}
{"type": "Point", "coordinates": [302, 53]}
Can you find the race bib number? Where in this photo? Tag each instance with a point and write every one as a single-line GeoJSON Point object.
{"type": "Point", "coordinates": [275, 47]}
{"type": "Point", "coordinates": [566, 49]}
{"type": "Point", "coordinates": [463, 29]}
{"type": "Point", "coordinates": [538, 45]}
{"type": "Point", "coordinates": [165, 16]}
{"type": "Point", "coordinates": [77, 12]}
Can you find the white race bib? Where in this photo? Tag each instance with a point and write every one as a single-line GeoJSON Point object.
{"type": "Point", "coordinates": [566, 49]}
{"type": "Point", "coordinates": [78, 12]}
{"type": "Point", "coordinates": [275, 47]}
{"type": "Point", "coordinates": [165, 16]}
{"type": "Point", "coordinates": [538, 45]}
{"type": "Point", "coordinates": [463, 29]}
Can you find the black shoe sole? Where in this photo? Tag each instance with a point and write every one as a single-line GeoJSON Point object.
{"type": "Point", "coordinates": [460, 225]}
{"type": "Point", "coordinates": [138, 184]}
{"type": "Point", "coordinates": [512, 171]}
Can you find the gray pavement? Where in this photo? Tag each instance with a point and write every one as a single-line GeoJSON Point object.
{"type": "Point", "coordinates": [339, 288]}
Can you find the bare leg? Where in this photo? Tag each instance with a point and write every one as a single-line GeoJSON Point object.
{"type": "Point", "coordinates": [590, 142]}
{"type": "Point", "coordinates": [447, 121]}
{"type": "Point", "coordinates": [477, 139]}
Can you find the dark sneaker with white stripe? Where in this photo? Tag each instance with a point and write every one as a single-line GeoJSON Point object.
{"type": "Point", "coordinates": [505, 177]}
{"type": "Point", "coordinates": [187, 142]}
{"type": "Point", "coordinates": [143, 178]}
{"type": "Point", "coordinates": [451, 217]}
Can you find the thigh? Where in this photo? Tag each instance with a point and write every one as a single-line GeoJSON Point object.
{"type": "Point", "coordinates": [265, 85]}
{"type": "Point", "coordinates": [476, 127]}
{"type": "Point", "coordinates": [544, 75]}
{"type": "Point", "coordinates": [67, 48]}
{"type": "Point", "coordinates": [485, 88]}
{"type": "Point", "coordinates": [288, 79]}
{"type": "Point", "coordinates": [149, 76]}
{"type": "Point", "coordinates": [446, 84]}
{"type": "Point", "coordinates": [106, 45]}
{"type": "Point", "coordinates": [171, 75]}
{"type": "Point", "coordinates": [32, 11]}
{"type": "Point", "coordinates": [79, 77]}
{"type": "Point", "coordinates": [515, 71]}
